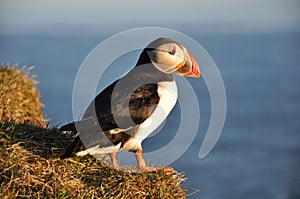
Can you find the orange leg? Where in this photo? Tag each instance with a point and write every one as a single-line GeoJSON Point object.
{"type": "Point", "coordinates": [141, 162]}
{"type": "Point", "coordinates": [114, 161]}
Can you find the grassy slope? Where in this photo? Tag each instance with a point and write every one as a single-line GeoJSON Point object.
{"type": "Point", "coordinates": [29, 163]}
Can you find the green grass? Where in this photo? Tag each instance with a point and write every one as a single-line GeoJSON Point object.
{"type": "Point", "coordinates": [29, 156]}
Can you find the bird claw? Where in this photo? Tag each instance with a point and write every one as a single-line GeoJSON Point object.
{"type": "Point", "coordinates": [152, 169]}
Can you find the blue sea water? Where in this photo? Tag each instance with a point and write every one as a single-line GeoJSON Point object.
{"type": "Point", "coordinates": [258, 154]}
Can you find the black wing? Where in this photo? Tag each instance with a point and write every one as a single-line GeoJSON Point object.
{"type": "Point", "coordinates": [128, 101]}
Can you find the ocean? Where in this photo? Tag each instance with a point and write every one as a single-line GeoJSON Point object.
{"type": "Point", "coordinates": [258, 153]}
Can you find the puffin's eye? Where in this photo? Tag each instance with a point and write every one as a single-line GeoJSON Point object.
{"type": "Point", "coordinates": [173, 51]}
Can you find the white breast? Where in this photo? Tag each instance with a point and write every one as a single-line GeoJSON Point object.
{"type": "Point", "coordinates": [167, 92]}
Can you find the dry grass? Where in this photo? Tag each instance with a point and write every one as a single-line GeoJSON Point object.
{"type": "Point", "coordinates": [30, 166]}
{"type": "Point", "coordinates": [20, 100]}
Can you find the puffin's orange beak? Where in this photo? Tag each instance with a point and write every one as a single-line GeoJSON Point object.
{"type": "Point", "coordinates": [195, 71]}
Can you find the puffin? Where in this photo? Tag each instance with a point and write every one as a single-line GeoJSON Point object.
{"type": "Point", "coordinates": [127, 111]}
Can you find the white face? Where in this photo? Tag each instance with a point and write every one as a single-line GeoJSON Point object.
{"type": "Point", "coordinates": [168, 57]}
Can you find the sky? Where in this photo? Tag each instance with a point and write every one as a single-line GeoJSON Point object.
{"type": "Point", "coordinates": [235, 15]}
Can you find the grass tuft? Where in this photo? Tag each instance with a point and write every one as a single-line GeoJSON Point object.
{"type": "Point", "coordinates": [20, 100]}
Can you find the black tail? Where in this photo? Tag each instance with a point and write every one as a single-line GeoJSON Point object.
{"type": "Point", "coordinates": [75, 147]}
{"type": "Point", "coordinates": [68, 127]}
{"type": "Point", "coordinates": [85, 125]}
